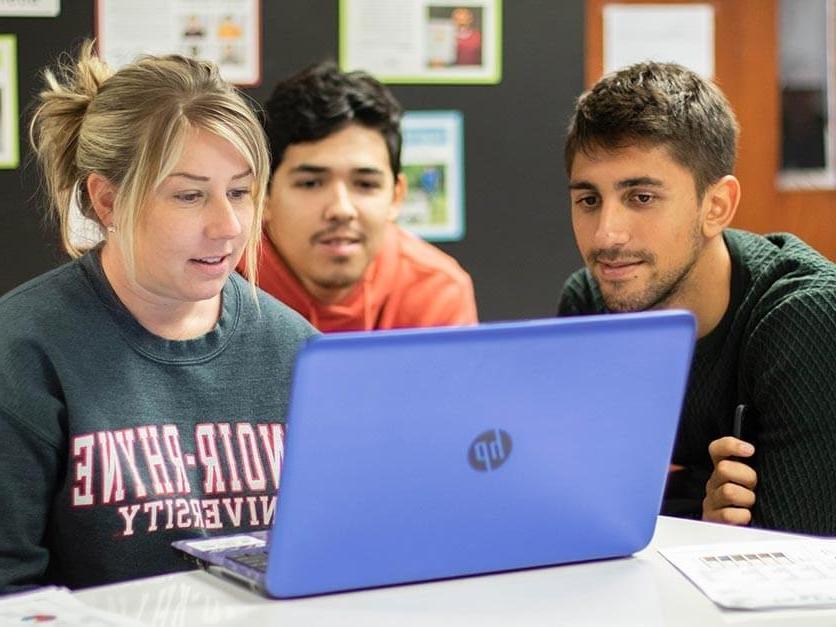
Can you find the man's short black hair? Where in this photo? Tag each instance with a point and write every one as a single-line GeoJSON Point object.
{"type": "Point", "coordinates": [322, 100]}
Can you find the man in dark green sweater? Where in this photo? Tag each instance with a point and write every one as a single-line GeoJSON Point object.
{"type": "Point", "coordinates": [650, 155]}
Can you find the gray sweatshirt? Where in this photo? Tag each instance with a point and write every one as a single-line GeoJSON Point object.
{"type": "Point", "coordinates": [114, 442]}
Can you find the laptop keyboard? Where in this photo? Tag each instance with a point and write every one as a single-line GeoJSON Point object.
{"type": "Point", "coordinates": [256, 561]}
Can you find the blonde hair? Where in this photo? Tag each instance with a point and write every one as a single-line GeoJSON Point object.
{"type": "Point", "coordinates": [130, 126]}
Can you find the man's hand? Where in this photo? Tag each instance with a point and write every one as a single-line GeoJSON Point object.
{"type": "Point", "coordinates": [729, 493]}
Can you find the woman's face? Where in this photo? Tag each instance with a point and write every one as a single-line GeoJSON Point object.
{"type": "Point", "coordinates": [193, 231]}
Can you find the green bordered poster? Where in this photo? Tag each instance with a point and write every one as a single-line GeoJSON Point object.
{"type": "Point", "coordinates": [432, 159]}
{"type": "Point", "coordinates": [423, 41]}
{"type": "Point", "coordinates": [9, 140]}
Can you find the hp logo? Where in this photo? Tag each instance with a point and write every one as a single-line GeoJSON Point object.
{"type": "Point", "coordinates": [489, 450]}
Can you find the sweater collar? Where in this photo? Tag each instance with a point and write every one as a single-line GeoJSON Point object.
{"type": "Point", "coordinates": [153, 346]}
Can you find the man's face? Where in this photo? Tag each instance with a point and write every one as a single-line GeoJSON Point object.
{"type": "Point", "coordinates": [462, 18]}
{"type": "Point", "coordinates": [637, 224]}
{"type": "Point", "coordinates": [328, 206]}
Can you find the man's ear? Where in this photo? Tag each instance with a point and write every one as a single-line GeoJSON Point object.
{"type": "Point", "coordinates": [401, 189]}
{"type": "Point", "coordinates": [720, 204]}
{"type": "Point", "coordinates": [102, 195]}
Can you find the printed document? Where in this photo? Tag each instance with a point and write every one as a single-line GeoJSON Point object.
{"type": "Point", "coordinates": [759, 575]}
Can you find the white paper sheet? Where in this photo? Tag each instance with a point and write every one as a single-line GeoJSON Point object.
{"type": "Point", "coordinates": [678, 33]}
{"type": "Point", "coordinates": [423, 41]}
{"type": "Point", "coordinates": [30, 8]}
{"type": "Point", "coordinates": [761, 575]}
{"type": "Point", "coordinates": [227, 32]}
{"type": "Point", "coordinates": [56, 606]}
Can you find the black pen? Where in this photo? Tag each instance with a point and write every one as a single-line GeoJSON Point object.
{"type": "Point", "coordinates": [737, 425]}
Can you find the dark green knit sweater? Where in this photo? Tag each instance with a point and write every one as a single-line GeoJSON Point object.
{"type": "Point", "coordinates": [774, 349]}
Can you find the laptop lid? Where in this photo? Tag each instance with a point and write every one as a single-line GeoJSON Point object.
{"type": "Point", "coordinates": [433, 453]}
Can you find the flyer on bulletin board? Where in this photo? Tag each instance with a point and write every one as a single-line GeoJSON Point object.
{"type": "Point", "coordinates": [227, 32]}
{"type": "Point", "coordinates": [432, 159]}
{"type": "Point", "coordinates": [423, 41]}
{"type": "Point", "coordinates": [30, 8]}
{"type": "Point", "coordinates": [682, 33]}
{"type": "Point", "coordinates": [9, 139]}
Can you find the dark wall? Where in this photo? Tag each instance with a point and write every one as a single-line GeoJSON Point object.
{"type": "Point", "coordinates": [518, 246]}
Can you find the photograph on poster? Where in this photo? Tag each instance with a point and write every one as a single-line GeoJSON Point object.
{"type": "Point", "coordinates": [423, 41]}
{"type": "Point", "coordinates": [224, 31]}
{"type": "Point", "coordinates": [454, 36]}
{"type": "Point", "coordinates": [433, 162]}
{"type": "Point", "coordinates": [9, 139]}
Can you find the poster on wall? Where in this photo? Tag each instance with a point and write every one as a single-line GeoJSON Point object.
{"type": "Point", "coordinates": [227, 32]}
{"type": "Point", "coordinates": [423, 41]}
{"type": "Point", "coordinates": [30, 8]}
{"type": "Point", "coordinates": [432, 159]}
{"type": "Point", "coordinates": [9, 140]}
{"type": "Point", "coordinates": [681, 33]}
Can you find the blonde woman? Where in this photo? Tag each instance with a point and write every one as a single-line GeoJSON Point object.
{"type": "Point", "coordinates": [143, 386]}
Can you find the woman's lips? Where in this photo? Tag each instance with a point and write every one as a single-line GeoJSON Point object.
{"type": "Point", "coordinates": [211, 266]}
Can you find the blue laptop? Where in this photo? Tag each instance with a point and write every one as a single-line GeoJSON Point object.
{"type": "Point", "coordinates": [433, 453]}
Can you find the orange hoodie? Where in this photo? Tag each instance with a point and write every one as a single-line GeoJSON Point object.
{"type": "Point", "coordinates": [409, 284]}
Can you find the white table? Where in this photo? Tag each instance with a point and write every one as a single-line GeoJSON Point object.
{"type": "Point", "coordinates": [642, 590]}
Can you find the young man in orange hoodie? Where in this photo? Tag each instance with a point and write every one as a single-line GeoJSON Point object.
{"type": "Point", "coordinates": [330, 247]}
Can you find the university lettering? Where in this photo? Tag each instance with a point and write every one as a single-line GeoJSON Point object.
{"type": "Point", "coordinates": [221, 476]}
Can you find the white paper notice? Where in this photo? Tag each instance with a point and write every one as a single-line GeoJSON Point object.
{"type": "Point", "coordinates": [56, 606]}
{"type": "Point", "coordinates": [227, 32]}
{"type": "Point", "coordinates": [30, 8]}
{"type": "Point", "coordinates": [678, 33]}
{"type": "Point", "coordinates": [761, 575]}
{"type": "Point", "coordinates": [423, 41]}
